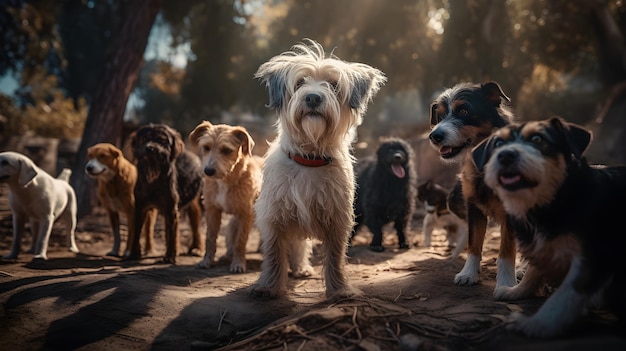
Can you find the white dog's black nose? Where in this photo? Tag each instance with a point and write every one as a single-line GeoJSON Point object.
{"type": "Point", "coordinates": [313, 100]}
{"type": "Point", "coordinates": [507, 157]}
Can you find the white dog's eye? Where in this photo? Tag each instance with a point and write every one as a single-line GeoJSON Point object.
{"type": "Point", "coordinates": [206, 148]}
{"type": "Point", "coordinates": [334, 85]}
{"type": "Point", "coordinates": [226, 151]}
{"type": "Point", "coordinates": [299, 83]}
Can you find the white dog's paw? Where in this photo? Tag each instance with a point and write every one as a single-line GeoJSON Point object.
{"type": "Point", "coordinates": [40, 257]}
{"type": "Point", "coordinates": [303, 272]}
{"type": "Point", "coordinates": [504, 293]}
{"type": "Point", "coordinates": [204, 264]}
{"type": "Point", "coordinates": [343, 292]}
{"type": "Point", "coordinates": [74, 249]}
{"type": "Point", "coordinates": [464, 278]}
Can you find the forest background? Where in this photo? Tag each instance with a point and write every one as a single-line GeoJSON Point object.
{"type": "Point", "coordinates": [90, 70]}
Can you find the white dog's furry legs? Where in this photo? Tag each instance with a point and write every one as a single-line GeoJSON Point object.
{"type": "Point", "coordinates": [274, 269]}
{"type": "Point", "coordinates": [335, 258]}
{"type": "Point", "coordinates": [18, 230]}
{"type": "Point", "coordinates": [299, 258]}
{"type": "Point", "coordinates": [45, 228]}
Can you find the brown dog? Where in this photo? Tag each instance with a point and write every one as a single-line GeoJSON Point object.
{"type": "Point", "coordinates": [169, 179]}
{"type": "Point", "coordinates": [232, 185]}
{"type": "Point", "coordinates": [462, 117]}
{"type": "Point", "coordinates": [116, 178]}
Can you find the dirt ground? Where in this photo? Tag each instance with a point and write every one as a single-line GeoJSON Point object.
{"type": "Point", "coordinates": [90, 301]}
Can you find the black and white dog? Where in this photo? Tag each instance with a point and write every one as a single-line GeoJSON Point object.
{"type": "Point", "coordinates": [439, 215]}
{"type": "Point", "coordinates": [566, 217]}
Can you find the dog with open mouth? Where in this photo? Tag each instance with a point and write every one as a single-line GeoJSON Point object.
{"type": "Point", "coordinates": [461, 117]}
{"type": "Point", "coordinates": [564, 213]}
{"type": "Point", "coordinates": [385, 191]}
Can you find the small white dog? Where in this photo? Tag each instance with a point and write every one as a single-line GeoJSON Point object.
{"type": "Point", "coordinates": [308, 178]}
{"type": "Point", "coordinates": [40, 198]}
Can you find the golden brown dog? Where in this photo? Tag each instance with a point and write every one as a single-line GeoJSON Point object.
{"type": "Point", "coordinates": [116, 178]}
{"type": "Point", "coordinates": [232, 185]}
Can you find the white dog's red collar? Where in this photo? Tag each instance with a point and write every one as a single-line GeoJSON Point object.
{"type": "Point", "coordinates": [310, 161]}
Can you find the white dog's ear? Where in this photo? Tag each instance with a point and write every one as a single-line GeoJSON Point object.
{"type": "Point", "coordinates": [200, 130]}
{"type": "Point", "coordinates": [246, 140]}
{"type": "Point", "coordinates": [366, 83]}
{"type": "Point", "coordinates": [27, 173]}
{"type": "Point", "coordinates": [276, 88]}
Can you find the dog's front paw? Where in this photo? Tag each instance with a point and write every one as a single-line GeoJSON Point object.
{"type": "Point", "coordinates": [204, 264]}
{"type": "Point", "coordinates": [403, 246]}
{"type": "Point", "coordinates": [464, 278]}
{"type": "Point", "coordinates": [169, 260]}
{"type": "Point", "coordinates": [237, 268]}
{"type": "Point", "coordinates": [194, 251]}
{"type": "Point", "coordinates": [114, 253]}
{"type": "Point", "coordinates": [261, 291]}
{"type": "Point", "coordinates": [344, 292]}
{"type": "Point", "coordinates": [504, 293]}
{"type": "Point", "coordinates": [40, 257]}
{"type": "Point", "coordinates": [377, 248]}
{"type": "Point", "coordinates": [302, 272]}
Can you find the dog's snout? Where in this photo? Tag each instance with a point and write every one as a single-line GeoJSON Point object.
{"type": "Point", "coordinates": [89, 168]}
{"type": "Point", "coordinates": [436, 136]}
{"type": "Point", "coordinates": [313, 100]}
{"type": "Point", "coordinates": [210, 171]}
{"type": "Point", "coordinates": [398, 157]}
{"type": "Point", "coordinates": [507, 157]}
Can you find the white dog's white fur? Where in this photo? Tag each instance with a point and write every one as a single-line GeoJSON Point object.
{"type": "Point", "coordinates": [320, 100]}
{"type": "Point", "coordinates": [40, 198]}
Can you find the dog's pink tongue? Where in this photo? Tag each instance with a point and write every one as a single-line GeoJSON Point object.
{"type": "Point", "coordinates": [509, 180]}
{"type": "Point", "coordinates": [445, 149]}
{"type": "Point", "coordinates": [398, 171]}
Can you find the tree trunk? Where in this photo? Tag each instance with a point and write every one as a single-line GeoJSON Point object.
{"type": "Point", "coordinates": [106, 113]}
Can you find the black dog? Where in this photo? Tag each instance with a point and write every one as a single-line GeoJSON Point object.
{"type": "Point", "coordinates": [386, 191]}
{"type": "Point", "coordinates": [566, 217]}
{"type": "Point", "coordinates": [169, 178]}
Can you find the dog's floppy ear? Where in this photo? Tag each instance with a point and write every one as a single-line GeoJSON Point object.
{"type": "Point", "coordinates": [199, 131]}
{"type": "Point", "coordinates": [366, 81]}
{"type": "Point", "coordinates": [433, 113]}
{"type": "Point", "coordinates": [246, 140]}
{"type": "Point", "coordinates": [482, 152]}
{"type": "Point", "coordinates": [275, 83]}
{"type": "Point", "coordinates": [493, 93]}
{"type": "Point", "coordinates": [27, 172]}
{"type": "Point", "coordinates": [113, 150]}
{"type": "Point", "coordinates": [178, 145]}
{"type": "Point", "coordinates": [576, 137]}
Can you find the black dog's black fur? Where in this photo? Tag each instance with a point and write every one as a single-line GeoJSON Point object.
{"type": "Point", "coordinates": [168, 178]}
{"type": "Point", "coordinates": [381, 196]}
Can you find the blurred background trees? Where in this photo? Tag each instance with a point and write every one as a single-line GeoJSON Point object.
{"type": "Point", "coordinates": [79, 69]}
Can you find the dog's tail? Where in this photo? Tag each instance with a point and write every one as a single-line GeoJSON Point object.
{"type": "Point", "coordinates": [65, 174]}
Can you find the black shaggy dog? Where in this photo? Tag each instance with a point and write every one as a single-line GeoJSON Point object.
{"type": "Point", "coordinates": [169, 178]}
{"type": "Point", "coordinates": [386, 191]}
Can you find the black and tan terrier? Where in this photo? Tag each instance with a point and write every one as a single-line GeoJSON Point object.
{"type": "Point", "coordinates": [565, 214]}
{"type": "Point", "coordinates": [461, 117]}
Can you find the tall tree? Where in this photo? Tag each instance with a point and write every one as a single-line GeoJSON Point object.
{"type": "Point", "coordinates": [106, 114]}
